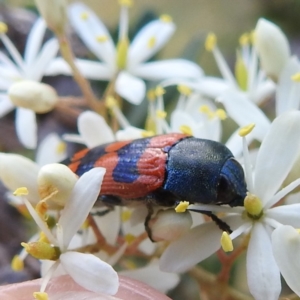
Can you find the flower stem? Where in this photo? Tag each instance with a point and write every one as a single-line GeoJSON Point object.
{"type": "Point", "coordinates": [212, 289]}
{"type": "Point", "coordinates": [67, 54]}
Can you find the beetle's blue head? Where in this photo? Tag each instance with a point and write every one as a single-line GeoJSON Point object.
{"type": "Point", "coordinates": [232, 186]}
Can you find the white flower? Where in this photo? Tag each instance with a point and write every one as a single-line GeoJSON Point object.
{"type": "Point", "coordinates": [127, 61]}
{"type": "Point", "coordinates": [276, 156]}
{"type": "Point", "coordinates": [32, 67]}
{"type": "Point", "coordinates": [86, 269]}
{"type": "Point", "coordinates": [199, 115]}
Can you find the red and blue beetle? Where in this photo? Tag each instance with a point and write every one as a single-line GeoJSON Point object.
{"type": "Point", "coordinates": [164, 170]}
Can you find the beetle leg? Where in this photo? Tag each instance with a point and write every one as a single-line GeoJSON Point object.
{"type": "Point", "coordinates": [148, 218]}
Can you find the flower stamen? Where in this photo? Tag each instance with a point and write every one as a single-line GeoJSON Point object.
{"type": "Point", "coordinates": [226, 242]}
{"type": "Point", "coordinates": [253, 206]}
{"type": "Point", "coordinates": [182, 206]}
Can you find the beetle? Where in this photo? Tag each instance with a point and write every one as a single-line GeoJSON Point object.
{"type": "Point", "coordinates": [164, 170]}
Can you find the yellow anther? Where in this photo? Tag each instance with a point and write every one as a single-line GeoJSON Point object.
{"type": "Point", "coordinates": [17, 263]}
{"type": "Point", "coordinates": [206, 110]}
{"type": "Point", "coordinates": [182, 206]}
{"type": "Point", "coordinates": [151, 95]}
{"type": "Point", "coordinates": [159, 91]}
{"type": "Point", "coordinates": [84, 16]}
{"type": "Point", "coordinates": [43, 238]}
{"type": "Point", "coordinates": [161, 114]}
{"type": "Point", "coordinates": [241, 72]}
{"type": "Point", "coordinates": [122, 49]}
{"type": "Point", "coordinates": [147, 133]}
{"type": "Point", "coordinates": [126, 215]}
{"type": "Point", "coordinates": [111, 102]}
{"type": "Point", "coordinates": [129, 238]}
{"type": "Point", "coordinates": [41, 208]}
{"type": "Point", "coordinates": [226, 242]}
{"type": "Point", "coordinates": [210, 42]}
{"type": "Point", "coordinates": [183, 89]}
{"type": "Point", "coordinates": [166, 18]}
{"type": "Point", "coordinates": [246, 129]}
{"type": "Point", "coordinates": [42, 250]}
{"type": "Point", "coordinates": [127, 3]}
{"type": "Point", "coordinates": [151, 42]}
{"type": "Point", "coordinates": [3, 28]}
{"type": "Point", "coordinates": [296, 77]}
{"type": "Point", "coordinates": [186, 129]}
{"type": "Point", "coordinates": [101, 38]}
{"type": "Point", "coordinates": [244, 39]}
{"type": "Point", "coordinates": [22, 191]}
{"type": "Point", "coordinates": [221, 114]}
{"type": "Point", "coordinates": [253, 205]}
{"type": "Point", "coordinates": [40, 296]}
{"type": "Point", "coordinates": [61, 147]}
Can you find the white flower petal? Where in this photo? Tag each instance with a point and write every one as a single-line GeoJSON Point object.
{"type": "Point", "coordinates": [286, 214]}
{"type": "Point", "coordinates": [88, 68]}
{"type": "Point", "coordinates": [157, 31]}
{"type": "Point", "coordinates": [285, 86]}
{"type": "Point", "coordinates": [262, 272]}
{"type": "Point", "coordinates": [47, 53]}
{"type": "Point", "coordinates": [276, 155]}
{"type": "Point", "coordinates": [6, 105]}
{"type": "Point", "coordinates": [263, 91]}
{"type": "Point", "coordinates": [94, 129]}
{"type": "Point", "coordinates": [211, 87]}
{"type": "Point", "coordinates": [178, 257]}
{"type": "Point", "coordinates": [160, 70]}
{"type": "Point", "coordinates": [89, 27]}
{"type": "Point", "coordinates": [73, 138]}
{"type": "Point", "coordinates": [243, 112]}
{"type": "Point", "coordinates": [90, 272]}
{"type": "Point", "coordinates": [18, 171]}
{"type": "Point", "coordinates": [286, 249]}
{"type": "Point", "coordinates": [83, 197]}
{"type": "Point", "coordinates": [129, 133]}
{"type": "Point", "coordinates": [131, 88]}
{"type": "Point", "coordinates": [153, 276]}
{"type": "Point", "coordinates": [34, 41]}
{"type": "Point", "coordinates": [49, 150]}
{"type": "Point", "coordinates": [26, 127]}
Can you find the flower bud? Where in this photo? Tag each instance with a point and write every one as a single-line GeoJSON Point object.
{"type": "Point", "coordinates": [168, 225]}
{"type": "Point", "coordinates": [55, 184]}
{"type": "Point", "coordinates": [17, 171]}
{"type": "Point", "coordinates": [39, 97]}
{"type": "Point", "coordinates": [54, 13]}
{"type": "Point", "coordinates": [272, 47]}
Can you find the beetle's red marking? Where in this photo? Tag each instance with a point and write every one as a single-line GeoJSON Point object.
{"type": "Point", "coordinates": [162, 141]}
{"type": "Point", "coordinates": [113, 147]}
{"type": "Point", "coordinates": [76, 159]}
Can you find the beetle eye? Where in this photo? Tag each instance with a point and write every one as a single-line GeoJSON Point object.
{"type": "Point", "coordinates": [232, 187]}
